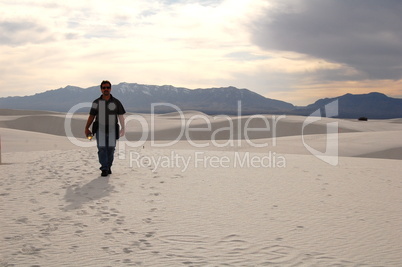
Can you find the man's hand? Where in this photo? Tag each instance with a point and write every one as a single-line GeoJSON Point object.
{"type": "Point", "coordinates": [89, 122]}
{"type": "Point", "coordinates": [87, 132]}
{"type": "Point", "coordinates": [122, 132]}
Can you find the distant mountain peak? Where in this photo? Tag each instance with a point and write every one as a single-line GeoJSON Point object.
{"type": "Point", "coordinates": [373, 105]}
{"type": "Point", "coordinates": [373, 94]}
{"type": "Point", "coordinates": [217, 100]}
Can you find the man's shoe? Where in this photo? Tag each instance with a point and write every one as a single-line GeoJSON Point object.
{"type": "Point", "coordinates": [105, 173]}
{"type": "Point", "coordinates": [110, 171]}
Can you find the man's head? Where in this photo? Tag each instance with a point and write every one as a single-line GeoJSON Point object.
{"type": "Point", "coordinates": [106, 87]}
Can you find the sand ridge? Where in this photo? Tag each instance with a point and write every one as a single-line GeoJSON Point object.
{"type": "Point", "coordinates": [280, 133]}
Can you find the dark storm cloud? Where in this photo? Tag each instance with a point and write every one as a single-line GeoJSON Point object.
{"type": "Point", "coordinates": [363, 34]}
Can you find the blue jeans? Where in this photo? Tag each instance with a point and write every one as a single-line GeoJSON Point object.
{"type": "Point", "coordinates": [106, 149]}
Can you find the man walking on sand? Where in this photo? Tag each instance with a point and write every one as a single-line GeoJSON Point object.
{"type": "Point", "coordinates": [105, 110]}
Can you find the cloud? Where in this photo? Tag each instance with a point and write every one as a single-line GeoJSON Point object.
{"type": "Point", "coordinates": [184, 44]}
{"type": "Point", "coordinates": [269, 46]}
{"type": "Point", "coordinates": [364, 35]}
{"type": "Point", "coordinates": [13, 32]}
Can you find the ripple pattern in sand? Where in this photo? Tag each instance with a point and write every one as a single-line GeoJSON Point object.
{"type": "Point", "coordinates": [72, 217]}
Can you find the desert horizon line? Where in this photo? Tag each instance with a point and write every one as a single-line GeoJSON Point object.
{"type": "Point", "coordinates": [200, 88]}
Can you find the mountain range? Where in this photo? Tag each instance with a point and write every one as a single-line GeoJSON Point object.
{"type": "Point", "coordinates": [138, 98]}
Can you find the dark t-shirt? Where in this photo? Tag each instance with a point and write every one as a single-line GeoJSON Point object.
{"type": "Point", "coordinates": [106, 113]}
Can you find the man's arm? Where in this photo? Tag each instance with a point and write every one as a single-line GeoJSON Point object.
{"type": "Point", "coordinates": [89, 122]}
{"type": "Point", "coordinates": [123, 130]}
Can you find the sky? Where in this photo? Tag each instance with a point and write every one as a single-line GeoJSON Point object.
{"type": "Point", "coordinates": [292, 50]}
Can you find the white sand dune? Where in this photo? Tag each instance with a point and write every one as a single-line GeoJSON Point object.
{"type": "Point", "coordinates": [16, 112]}
{"type": "Point", "coordinates": [213, 206]}
{"type": "Point", "coordinates": [25, 141]}
{"type": "Point", "coordinates": [356, 138]}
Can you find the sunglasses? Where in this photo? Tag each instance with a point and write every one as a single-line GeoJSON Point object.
{"type": "Point", "coordinates": [105, 87]}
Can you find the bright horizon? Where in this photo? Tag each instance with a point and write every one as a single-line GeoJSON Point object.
{"type": "Point", "coordinates": [295, 51]}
